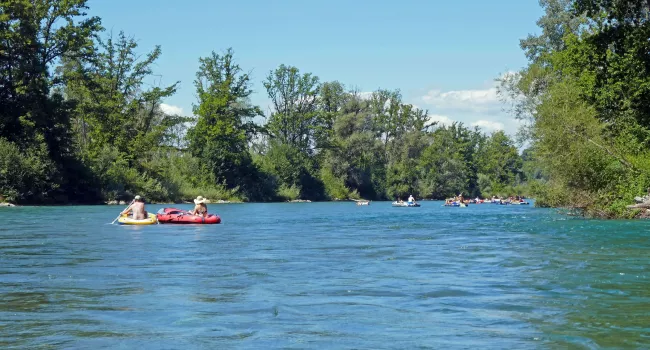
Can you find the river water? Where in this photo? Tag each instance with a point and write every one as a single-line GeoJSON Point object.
{"type": "Point", "coordinates": [324, 275]}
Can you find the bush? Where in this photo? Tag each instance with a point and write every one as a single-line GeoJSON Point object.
{"type": "Point", "coordinates": [162, 176]}
{"type": "Point", "coordinates": [334, 187]}
{"type": "Point", "coordinates": [485, 185]}
{"type": "Point", "coordinates": [188, 192]}
{"type": "Point", "coordinates": [289, 193]}
{"type": "Point", "coordinates": [25, 176]}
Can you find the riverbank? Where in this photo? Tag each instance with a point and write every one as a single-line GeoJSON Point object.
{"type": "Point", "coordinates": [642, 204]}
{"type": "Point", "coordinates": [218, 201]}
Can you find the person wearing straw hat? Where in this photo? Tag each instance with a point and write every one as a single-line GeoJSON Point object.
{"type": "Point", "coordinates": [200, 208]}
{"type": "Point", "coordinates": [137, 208]}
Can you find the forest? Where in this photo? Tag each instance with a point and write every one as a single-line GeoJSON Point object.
{"type": "Point", "coordinates": [585, 101]}
{"type": "Point", "coordinates": [79, 123]}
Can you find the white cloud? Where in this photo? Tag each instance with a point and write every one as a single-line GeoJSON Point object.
{"type": "Point", "coordinates": [441, 119]}
{"type": "Point", "coordinates": [477, 101]}
{"type": "Point", "coordinates": [488, 125]}
{"type": "Point", "coordinates": [485, 100]}
{"type": "Point", "coordinates": [476, 106]}
{"type": "Point", "coordinates": [171, 109]}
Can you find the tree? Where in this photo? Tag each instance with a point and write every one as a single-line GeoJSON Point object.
{"type": "Point", "coordinates": [295, 118]}
{"type": "Point", "coordinates": [444, 167]}
{"type": "Point", "coordinates": [34, 36]}
{"type": "Point", "coordinates": [356, 158]}
{"type": "Point", "coordinates": [332, 98]}
{"type": "Point", "coordinates": [224, 124]}
{"type": "Point", "coordinates": [585, 96]}
{"type": "Point", "coordinates": [500, 160]}
{"type": "Point", "coordinates": [558, 20]}
{"type": "Point", "coordinates": [113, 109]}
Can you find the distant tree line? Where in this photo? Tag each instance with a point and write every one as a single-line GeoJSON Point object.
{"type": "Point", "coordinates": [79, 122]}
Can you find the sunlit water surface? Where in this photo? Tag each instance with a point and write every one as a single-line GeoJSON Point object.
{"type": "Point", "coordinates": [324, 275]}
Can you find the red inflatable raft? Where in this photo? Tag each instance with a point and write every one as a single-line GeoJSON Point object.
{"type": "Point", "coordinates": [178, 216]}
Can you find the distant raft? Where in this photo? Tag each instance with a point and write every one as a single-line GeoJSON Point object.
{"type": "Point", "coordinates": [125, 219]}
{"type": "Point", "coordinates": [406, 204]}
{"type": "Point", "coordinates": [178, 216]}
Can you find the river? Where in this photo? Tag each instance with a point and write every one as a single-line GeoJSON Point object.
{"type": "Point", "coordinates": [324, 275]}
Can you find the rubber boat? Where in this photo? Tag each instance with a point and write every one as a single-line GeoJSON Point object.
{"type": "Point", "coordinates": [125, 219]}
{"type": "Point", "coordinates": [178, 216]}
{"type": "Point", "coordinates": [405, 204]}
{"type": "Point", "coordinates": [455, 204]}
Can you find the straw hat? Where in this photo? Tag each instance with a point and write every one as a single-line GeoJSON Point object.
{"type": "Point", "coordinates": [200, 200]}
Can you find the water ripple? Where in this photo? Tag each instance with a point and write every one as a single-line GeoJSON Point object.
{"type": "Point", "coordinates": [324, 275]}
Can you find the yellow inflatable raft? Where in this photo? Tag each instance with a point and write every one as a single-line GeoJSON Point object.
{"type": "Point", "coordinates": [127, 220]}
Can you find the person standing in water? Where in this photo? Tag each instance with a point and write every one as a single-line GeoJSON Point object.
{"type": "Point", "coordinates": [137, 209]}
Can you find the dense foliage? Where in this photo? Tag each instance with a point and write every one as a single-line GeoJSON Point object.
{"type": "Point", "coordinates": [81, 121]}
{"type": "Point", "coordinates": [586, 97]}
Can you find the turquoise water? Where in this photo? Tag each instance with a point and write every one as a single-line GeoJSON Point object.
{"type": "Point", "coordinates": [324, 275]}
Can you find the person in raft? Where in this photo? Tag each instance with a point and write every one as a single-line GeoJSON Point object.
{"type": "Point", "coordinates": [200, 208]}
{"type": "Point", "coordinates": [411, 200]}
{"type": "Point", "coordinates": [137, 209]}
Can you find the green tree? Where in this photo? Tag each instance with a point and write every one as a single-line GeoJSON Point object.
{"type": "Point", "coordinates": [356, 157]}
{"type": "Point", "coordinates": [500, 160]}
{"type": "Point", "coordinates": [332, 98]}
{"type": "Point", "coordinates": [297, 127]}
{"type": "Point", "coordinates": [585, 96]}
{"type": "Point", "coordinates": [119, 125]}
{"type": "Point", "coordinates": [402, 172]}
{"type": "Point", "coordinates": [113, 108]}
{"type": "Point", "coordinates": [443, 166]}
{"type": "Point", "coordinates": [224, 125]}
{"type": "Point", "coordinates": [295, 119]}
{"type": "Point", "coordinates": [35, 36]}
{"type": "Point", "coordinates": [558, 20]}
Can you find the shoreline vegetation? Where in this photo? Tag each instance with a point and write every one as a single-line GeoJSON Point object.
{"type": "Point", "coordinates": [584, 102]}
{"type": "Point", "coordinates": [80, 121]}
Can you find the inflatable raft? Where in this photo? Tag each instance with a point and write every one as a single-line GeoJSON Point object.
{"type": "Point", "coordinates": [125, 219]}
{"type": "Point", "coordinates": [178, 216]}
{"type": "Point", "coordinates": [405, 204]}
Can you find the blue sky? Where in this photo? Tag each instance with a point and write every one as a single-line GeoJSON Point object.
{"type": "Point", "coordinates": [442, 55]}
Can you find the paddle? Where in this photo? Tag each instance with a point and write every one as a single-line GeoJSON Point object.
{"type": "Point", "coordinates": [122, 212]}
